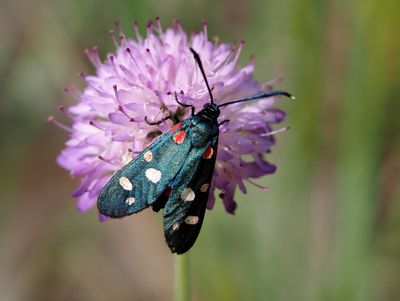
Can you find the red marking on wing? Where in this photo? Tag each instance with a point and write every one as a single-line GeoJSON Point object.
{"type": "Point", "coordinates": [167, 191]}
{"type": "Point", "coordinates": [179, 137]}
{"type": "Point", "coordinates": [175, 127]}
{"type": "Point", "coordinates": [208, 153]}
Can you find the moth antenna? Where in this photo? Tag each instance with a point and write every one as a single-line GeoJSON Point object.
{"type": "Point", "coordinates": [198, 60]}
{"type": "Point", "coordinates": [257, 96]}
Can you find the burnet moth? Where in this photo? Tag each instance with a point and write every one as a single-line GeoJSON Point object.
{"type": "Point", "coordinates": [174, 173]}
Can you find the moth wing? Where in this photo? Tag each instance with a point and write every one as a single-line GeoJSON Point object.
{"type": "Point", "coordinates": [185, 209]}
{"type": "Point", "coordinates": [138, 184]}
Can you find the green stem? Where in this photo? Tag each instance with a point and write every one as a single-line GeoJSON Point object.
{"type": "Point", "coordinates": [182, 278]}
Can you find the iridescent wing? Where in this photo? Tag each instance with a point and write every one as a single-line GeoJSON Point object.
{"type": "Point", "coordinates": [138, 184]}
{"type": "Point", "coordinates": [185, 209]}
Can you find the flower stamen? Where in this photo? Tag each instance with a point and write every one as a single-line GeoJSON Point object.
{"type": "Point", "coordinates": [149, 53]}
{"type": "Point", "coordinates": [205, 23]}
{"type": "Point", "coordinates": [63, 110]}
{"type": "Point", "coordinates": [74, 92]}
{"type": "Point", "coordinates": [62, 126]}
{"type": "Point", "coordinates": [238, 51]}
{"type": "Point", "coordinates": [93, 56]}
{"type": "Point", "coordinates": [268, 86]}
{"type": "Point", "coordinates": [120, 105]}
{"type": "Point", "coordinates": [82, 75]}
{"type": "Point", "coordinates": [159, 27]}
{"type": "Point", "coordinates": [122, 40]}
{"type": "Point", "coordinates": [137, 33]}
{"type": "Point", "coordinates": [262, 187]}
{"type": "Point", "coordinates": [111, 60]}
{"type": "Point", "coordinates": [284, 129]}
{"type": "Point", "coordinates": [112, 36]}
{"type": "Point", "coordinates": [96, 125]}
{"type": "Point", "coordinates": [133, 59]}
{"type": "Point", "coordinates": [109, 161]}
{"type": "Point", "coordinates": [117, 25]}
{"type": "Point", "coordinates": [178, 25]}
{"type": "Point", "coordinates": [149, 28]}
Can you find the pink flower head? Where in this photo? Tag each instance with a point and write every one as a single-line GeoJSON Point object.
{"type": "Point", "coordinates": [138, 80]}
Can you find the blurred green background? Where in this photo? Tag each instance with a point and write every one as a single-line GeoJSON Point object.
{"type": "Point", "coordinates": [330, 228]}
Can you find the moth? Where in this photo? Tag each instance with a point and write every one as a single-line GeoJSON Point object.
{"type": "Point", "coordinates": [174, 173]}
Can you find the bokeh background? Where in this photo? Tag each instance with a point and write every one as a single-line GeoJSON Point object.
{"type": "Point", "coordinates": [330, 228]}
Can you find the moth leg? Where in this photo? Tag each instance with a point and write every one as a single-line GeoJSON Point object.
{"type": "Point", "coordinates": [222, 122]}
{"type": "Point", "coordinates": [158, 121]}
{"type": "Point", "coordinates": [184, 104]}
{"type": "Point", "coordinates": [176, 119]}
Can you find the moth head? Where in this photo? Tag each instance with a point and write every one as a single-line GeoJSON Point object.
{"type": "Point", "coordinates": [211, 110]}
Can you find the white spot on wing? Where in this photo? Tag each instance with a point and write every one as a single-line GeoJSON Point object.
{"type": "Point", "coordinates": [125, 183]}
{"type": "Point", "coordinates": [130, 200]}
{"type": "Point", "coordinates": [188, 195]}
{"type": "Point", "coordinates": [153, 175]}
{"type": "Point", "coordinates": [175, 226]}
{"type": "Point", "coordinates": [192, 220]}
{"type": "Point", "coordinates": [148, 156]}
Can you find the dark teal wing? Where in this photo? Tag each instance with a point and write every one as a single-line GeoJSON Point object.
{"type": "Point", "coordinates": [185, 209]}
{"type": "Point", "coordinates": [138, 184]}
